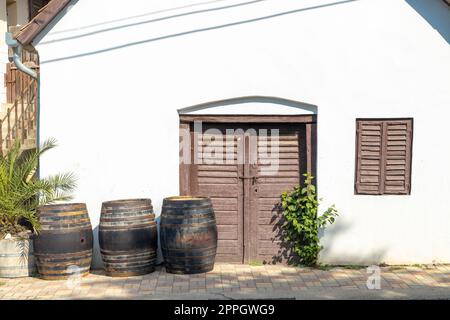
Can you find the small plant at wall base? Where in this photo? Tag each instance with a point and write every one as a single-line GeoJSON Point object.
{"type": "Point", "coordinates": [302, 225]}
{"type": "Point", "coordinates": [22, 192]}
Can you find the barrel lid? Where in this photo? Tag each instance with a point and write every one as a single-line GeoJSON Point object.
{"type": "Point", "coordinates": [185, 198]}
{"type": "Point", "coordinates": [125, 201]}
{"type": "Point", "coordinates": [61, 206]}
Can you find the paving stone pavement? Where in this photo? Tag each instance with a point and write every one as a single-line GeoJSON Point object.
{"type": "Point", "coordinates": [226, 279]}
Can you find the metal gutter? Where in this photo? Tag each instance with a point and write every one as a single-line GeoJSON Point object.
{"type": "Point", "coordinates": [17, 55]}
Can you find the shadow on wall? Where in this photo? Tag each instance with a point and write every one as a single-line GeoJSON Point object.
{"type": "Point", "coordinates": [436, 13]}
{"type": "Point", "coordinates": [87, 34]}
{"type": "Point", "coordinates": [137, 16]}
{"type": "Point", "coordinates": [97, 262]}
{"type": "Point", "coordinates": [180, 34]}
{"type": "Point", "coordinates": [285, 254]}
{"type": "Point", "coordinates": [362, 258]}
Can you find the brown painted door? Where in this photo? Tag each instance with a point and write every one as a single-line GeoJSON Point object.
{"type": "Point", "coordinates": [217, 176]}
{"type": "Point", "coordinates": [277, 165]}
{"type": "Point", "coordinates": [245, 184]}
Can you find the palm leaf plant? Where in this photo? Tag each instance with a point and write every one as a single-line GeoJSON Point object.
{"type": "Point", "coordinates": [22, 191]}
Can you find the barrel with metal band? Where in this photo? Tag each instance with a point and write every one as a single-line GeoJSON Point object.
{"type": "Point", "coordinates": [63, 247]}
{"type": "Point", "coordinates": [188, 234]}
{"type": "Point", "coordinates": [128, 237]}
{"type": "Point", "coordinates": [16, 256]}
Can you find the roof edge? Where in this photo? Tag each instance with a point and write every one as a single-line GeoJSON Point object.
{"type": "Point", "coordinates": [29, 32]}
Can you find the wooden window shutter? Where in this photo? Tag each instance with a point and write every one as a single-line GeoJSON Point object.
{"type": "Point", "coordinates": [369, 157]}
{"type": "Point", "coordinates": [383, 150]}
{"type": "Point", "coordinates": [397, 149]}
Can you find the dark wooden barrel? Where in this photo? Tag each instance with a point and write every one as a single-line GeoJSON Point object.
{"type": "Point", "coordinates": [64, 245]}
{"type": "Point", "coordinates": [188, 235]}
{"type": "Point", "coordinates": [128, 237]}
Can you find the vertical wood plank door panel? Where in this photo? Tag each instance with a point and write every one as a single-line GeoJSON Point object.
{"type": "Point", "coordinates": [280, 162]}
{"type": "Point", "coordinates": [217, 177]}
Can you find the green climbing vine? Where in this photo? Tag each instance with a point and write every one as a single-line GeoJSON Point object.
{"type": "Point", "coordinates": [302, 225]}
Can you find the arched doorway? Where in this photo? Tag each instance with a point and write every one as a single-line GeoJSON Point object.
{"type": "Point", "coordinates": [244, 162]}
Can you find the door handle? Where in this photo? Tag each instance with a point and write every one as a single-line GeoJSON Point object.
{"type": "Point", "coordinates": [254, 179]}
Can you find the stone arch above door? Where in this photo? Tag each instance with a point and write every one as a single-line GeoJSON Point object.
{"type": "Point", "coordinates": [255, 105]}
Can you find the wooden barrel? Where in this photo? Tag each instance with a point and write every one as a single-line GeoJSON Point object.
{"type": "Point", "coordinates": [64, 245]}
{"type": "Point", "coordinates": [188, 235]}
{"type": "Point", "coordinates": [128, 237]}
{"type": "Point", "coordinates": [16, 257]}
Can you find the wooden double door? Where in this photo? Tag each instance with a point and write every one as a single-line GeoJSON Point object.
{"type": "Point", "coordinates": [244, 168]}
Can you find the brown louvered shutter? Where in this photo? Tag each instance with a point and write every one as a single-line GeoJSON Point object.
{"type": "Point", "coordinates": [368, 168]}
{"type": "Point", "coordinates": [398, 140]}
{"type": "Point", "coordinates": [383, 150]}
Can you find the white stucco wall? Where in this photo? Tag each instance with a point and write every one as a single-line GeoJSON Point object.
{"type": "Point", "coordinates": [114, 76]}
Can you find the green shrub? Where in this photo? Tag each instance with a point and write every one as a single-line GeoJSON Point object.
{"type": "Point", "coordinates": [301, 228]}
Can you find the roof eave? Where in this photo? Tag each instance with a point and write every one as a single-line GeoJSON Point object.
{"type": "Point", "coordinates": [30, 31]}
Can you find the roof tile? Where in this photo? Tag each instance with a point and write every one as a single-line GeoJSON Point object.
{"type": "Point", "coordinates": [29, 31]}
